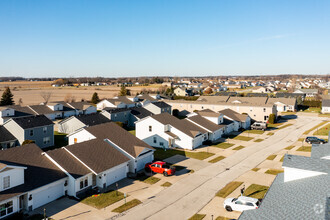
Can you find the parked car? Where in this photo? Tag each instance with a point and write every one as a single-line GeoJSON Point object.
{"type": "Point", "coordinates": [241, 204]}
{"type": "Point", "coordinates": [259, 126]}
{"type": "Point", "coordinates": [315, 140]}
{"type": "Point", "coordinates": [160, 167]}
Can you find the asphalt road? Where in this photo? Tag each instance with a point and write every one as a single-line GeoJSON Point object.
{"type": "Point", "coordinates": [189, 195]}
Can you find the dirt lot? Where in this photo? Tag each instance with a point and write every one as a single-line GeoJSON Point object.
{"type": "Point", "coordinates": [30, 92]}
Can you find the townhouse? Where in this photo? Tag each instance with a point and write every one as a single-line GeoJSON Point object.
{"type": "Point", "coordinates": [116, 102]}
{"type": "Point", "coordinates": [240, 120]}
{"type": "Point", "coordinates": [325, 106]}
{"type": "Point", "coordinates": [136, 150]}
{"type": "Point", "coordinates": [210, 121]}
{"type": "Point", "coordinates": [14, 111]}
{"type": "Point", "coordinates": [29, 180]}
{"type": "Point", "coordinates": [38, 128]}
{"type": "Point", "coordinates": [7, 140]}
{"type": "Point", "coordinates": [158, 107]}
{"type": "Point", "coordinates": [166, 131]}
{"type": "Point", "coordinates": [307, 92]}
{"type": "Point", "coordinates": [75, 123]}
{"type": "Point", "coordinates": [136, 114]}
{"type": "Point", "coordinates": [89, 164]}
{"type": "Point", "coordinates": [256, 107]}
{"type": "Point", "coordinates": [117, 114]}
{"type": "Point", "coordinates": [284, 104]}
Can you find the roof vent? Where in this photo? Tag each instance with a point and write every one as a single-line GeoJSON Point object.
{"type": "Point", "coordinates": [289, 157]}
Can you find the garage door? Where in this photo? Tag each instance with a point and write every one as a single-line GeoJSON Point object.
{"type": "Point", "coordinates": [48, 195]}
{"type": "Point", "coordinates": [116, 175]}
{"type": "Point", "coordinates": [141, 162]}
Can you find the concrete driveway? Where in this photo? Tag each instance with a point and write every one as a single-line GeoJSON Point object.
{"type": "Point", "coordinates": [189, 195]}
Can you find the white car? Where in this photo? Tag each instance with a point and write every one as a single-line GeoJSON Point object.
{"type": "Point", "coordinates": [241, 204]}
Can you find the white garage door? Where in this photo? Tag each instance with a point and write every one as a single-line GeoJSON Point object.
{"type": "Point", "coordinates": [141, 162]}
{"type": "Point", "coordinates": [48, 195]}
{"type": "Point", "coordinates": [116, 175]}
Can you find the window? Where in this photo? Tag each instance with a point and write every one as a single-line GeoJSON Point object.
{"type": "Point", "coordinates": [155, 140]}
{"type": "Point", "coordinates": [264, 109]}
{"type": "Point", "coordinates": [265, 118]}
{"type": "Point", "coordinates": [239, 203]}
{"type": "Point", "coordinates": [161, 144]}
{"type": "Point", "coordinates": [31, 132]}
{"type": "Point", "coordinates": [86, 182]}
{"type": "Point", "coordinates": [44, 129]}
{"type": "Point", "coordinates": [83, 183]}
{"type": "Point", "coordinates": [115, 115]}
{"type": "Point", "coordinates": [6, 182]}
{"type": "Point", "coordinates": [249, 204]}
{"type": "Point", "coordinates": [150, 128]}
{"type": "Point", "coordinates": [46, 140]}
{"type": "Point", "coordinates": [6, 208]}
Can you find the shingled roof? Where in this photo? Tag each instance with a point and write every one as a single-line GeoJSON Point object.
{"type": "Point", "coordinates": [5, 135]}
{"type": "Point", "coordinates": [122, 138]}
{"type": "Point", "coordinates": [234, 115]}
{"type": "Point", "coordinates": [97, 154]}
{"type": "Point", "coordinates": [32, 121]}
{"type": "Point", "coordinates": [40, 170]}
{"type": "Point", "coordinates": [208, 113]}
{"type": "Point", "coordinates": [184, 126]}
{"type": "Point", "coordinates": [140, 112]}
{"type": "Point", "coordinates": [75, 168]}
{"type": "Point", "coordinates": [92, 119]}
{"type": "Point", "coordinates": [205, 123]}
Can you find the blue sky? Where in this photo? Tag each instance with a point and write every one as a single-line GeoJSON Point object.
{"type": "Point", "coordinates": [163, 37]}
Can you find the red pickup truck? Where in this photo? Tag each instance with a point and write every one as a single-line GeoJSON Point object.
{"type": "Point", "coordinates": [160, 167]}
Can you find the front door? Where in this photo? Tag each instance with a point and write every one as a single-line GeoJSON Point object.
{"type": "Point", "coordinates": [94, 180]}
{"type": "Point", "coordinates": [23, 202]}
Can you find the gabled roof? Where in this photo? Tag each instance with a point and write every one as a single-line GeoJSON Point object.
{"type": "Point", "coordinates": [184, 126]}
{"type": "Point", "coordinates": [32, 121]}
{"type": "Point", "coordinates": [306, 163]}
{"type": "Point", "coordinates": [249, 101]}
{"type": "Point", "coordinates": [161, 104]}
{"type": "Point", "coordinates": [140, 112]}
{"type": "Point", "coordinates": [92, 119]}
{"type": "Point", "coordinates": [123, 99]}
{"type": "Point", "coordinates": [80, 105]}
{"type": "Point", "coordinates": [208, 113]}
{"type": "Point", "coordinates": [234, 115]}
{"type": "Point", "coordinates": [97, 154]}
{"type": "Point", "coordinates": [307, 90]}
{"type": "Point", "coordinates": [205, 123]}
{"type": "Point", "coordinates": [284, 94]}
{"type": "Point", "coordinates": [20, 111]}
{"type": "Point", "coordinates": [146, 97]}
{"type": "Point", "coordinates": [5, 135]}
{"type": "Point", "coordinates": [75, 168]}
{"type": "Point", "coordinates": [213, 99]}
{"type": "Point", "coordinates": [40, 170]}
{"type": "Point", "coordinates": [122, 138]}
{"type": "Point", "coordinates": [286, 101]}
{"type": "Point", "coordinates": [42, 109]}
{"type": "Point", "coordinates": [115, 110]}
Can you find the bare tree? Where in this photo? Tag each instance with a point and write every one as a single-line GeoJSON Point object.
{"type": "Point", "coordinates": [20, 101]}
{"type": "Point", "coordinates": [46, 96]}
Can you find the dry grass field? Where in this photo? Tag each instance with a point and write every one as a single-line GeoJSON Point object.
{"type": "Point", "coordinates": [30, 92]}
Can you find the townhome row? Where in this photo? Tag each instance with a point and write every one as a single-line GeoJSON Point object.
{"type": "Point", "coordinates": [53, 111]}
{"type": "Point", "coordinates": [166, 131]}
{"type": "Point", "coordinates": [97, 157]}
{"type": "Point", "coordinates": [258, 108]}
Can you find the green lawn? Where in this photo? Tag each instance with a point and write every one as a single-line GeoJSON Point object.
{"type": "Point", "coordinates": [323, 131]}
{"type": "Point", "coordinates": [242, 138]}
{"type": "Point", "coordinates": [127, 206]}
{"type": "Point", "coordinates": [271, 157]}
{"type": "Point", "coordinates": [255, 169]}
{"type": "Point", "coordinates": [222, 218]}
{"type": "Point", "coordinates": [256, 191]}
{"type": "Point", "coordinates": [258, 140]}
{"type": "Point", "coordinates": [275, 125]}
{"type": "Point", "coordinates": [166, 184]}
{"type": "Point", "coordinates": [132, 132]}
{"type": "Point", "coordinates": [305, 148]}
{"type": "Point", "coordinates": [60, 139]}
{"type": "Point", "coordinates": [274, 171]}
{"type": "Point", "coordinates": [229, 188]}
{"type": "Point", "coordinates": [217, 159]}
{"type": "Point", "coordinates": [270, 133]}
{"type": "Point", "coordinates": [161, 154]}
{"type": "Point", "coordinates": [313, 110]}
{"type": "Point", "coordinates": [254, 131]}
{"type": "Point", "coordinates": [315, 127]}
{"type": "Point", "coordinates": [285, 126]}
{"type": "Point", "coordinates": [223, 145]}
{"type": "Point", "coordinates": [148, 179]}
{"type": "Point", "coordinates": [104, 199]}
{"type": "Point", "coordinates": [289, 148]}
{"type": "Point", "coordinates": [239, 147]}
{"type": "Point", "coordinates": [197, 217]}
